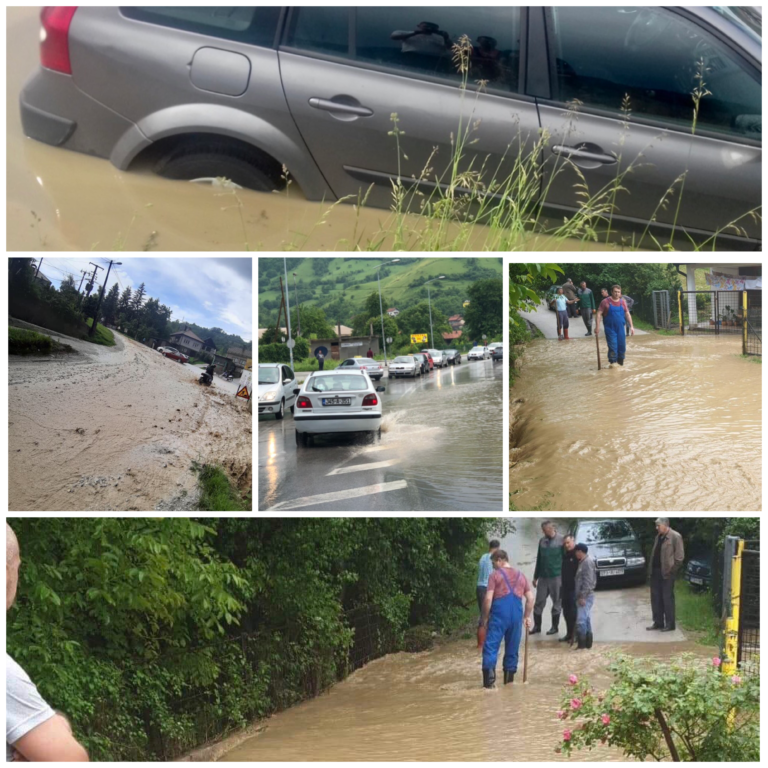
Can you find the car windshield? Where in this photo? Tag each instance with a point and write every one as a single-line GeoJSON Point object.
{"type": "Point", "coordinates": [269, 375]}
{"type": "Point", "coordinates": [403, 359]}
{"type": "Point", "coordinates": [365, 361]}
{"type": "Point", "coordinates": [340, 382]}
{"type": "Point", "coordinates": [477, 349]}
{"type": "Point", "coordinates": [605, 530]}
{"type": "Point", "coordinates": [449, 352]}
{"type": "Point", "coordinates": [749, 19]}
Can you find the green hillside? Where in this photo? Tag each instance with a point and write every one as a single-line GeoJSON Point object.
{"type": "Point", "coordinates": [340, 285]}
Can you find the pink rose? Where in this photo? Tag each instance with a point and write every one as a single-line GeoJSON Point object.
{"type": "Point", "coordinates": [573, 679]}
{"type": "Point", "coordinates": [605, 718]}
{"type": "Point", "coordinates": [716, 661]}
{"type": "Point", "coordinates": [560, 714]}
{"type": "Point", "coordinates": [567, 735]}
{"type": "Point", "coordinates": [736, 680]}
{"type": "Point", "coordinates": [575, 703]}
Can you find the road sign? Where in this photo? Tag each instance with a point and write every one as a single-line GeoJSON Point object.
{"type": "Point", "coordinates": [419, 338]}
{"type": "Point", "coordinates": [484, 336]}
{"type": "Point", "coordinates": [245, 385]}
{"type": "Point", "coordinates": [291, 343]}
{"type": "Point", "coordinates": [389, 339]}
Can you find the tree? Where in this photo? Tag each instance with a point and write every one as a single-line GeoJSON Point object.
{"type": "Point", "coordinates": [313, 321]}
{"type": "Point", "coordinates": [484, 315]}
{"type": "Point", "coordinates": [124, 304]}
{"type": "Point", "coordinates": [320, 266]}
{"type": "Point", "coordinates": [137, 299]}
{"type": "Point", "coordinates": [109, 307]}
{"type": "Point", "coordinates": [68, 290]}
{"type": "Point", "coordinates": [416, 320]}
{"type": "Point", "coordinates": [527, 283]}
{"type": "Point", "coordinates": [371, 306]}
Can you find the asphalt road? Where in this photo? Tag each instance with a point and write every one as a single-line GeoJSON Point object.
{"type": "Point", "coordinates": [441, 450]}
{"type": "Point", "coordinates": [546, 321]}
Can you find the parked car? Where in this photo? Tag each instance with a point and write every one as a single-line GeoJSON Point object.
{"type": "Point", "coordinates": [276, 385]}
{"type": "Point", "coordinates": [424, 360]}
{"type": "Point", "coordinates": [698, 571]}
{"type": "Point", "coordinates": [405, 365]}
{"type": "Point", "coordinates": [437, 357]}
{"type": "Point", "coordinates": [616, 549]}
{"type": "Point", "coordinates": [497, 355]}
{"type": "Point", "coordinates": [174, 354]}
{"type": "Point", "coordinates": [245, 91]}
{"type": "Point", "coordinates": [337, 401]}
{"type": "Point", "coordinates": [161, 350]}
{"type": "Point", "coordinates": [429, 360]}
{"type": "Point", "coordinates": [371, 367]}
{"type": "Point", "coordinates": [452, 356]}
{"type": "Point", "coordinates": [479, 353]}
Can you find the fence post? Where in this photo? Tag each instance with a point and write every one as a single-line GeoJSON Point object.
{"type": "Point", "coordinates": [744, 323]}
{"type": "Point", "coordinates": [680, 310]}
{"type": "Point", "coordinates": [731, 633]}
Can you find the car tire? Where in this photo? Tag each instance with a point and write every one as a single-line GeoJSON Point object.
{"type": "Point", "coordinates": [378, 433]}
{"type": "Point", "coordinates": [212, 158]}
{"type": "Point", "coordinates": [281, 413]}
{"type": "Point", "coordinates": [293, 409]}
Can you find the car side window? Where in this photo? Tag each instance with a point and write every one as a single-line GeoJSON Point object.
{"type": "Point", "coordinates": [256, 25]}
{"type": "Point", "coordinates": [348, 363]}
{"type": "Point", "coordinates": [419, 39]}
{"type": "Point", "coordinates": [287, 373]}
{"type": "Point", "coordinates": [652, 62]}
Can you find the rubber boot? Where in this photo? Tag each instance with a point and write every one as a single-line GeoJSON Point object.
{"type": "Point", "coordinates": [589, 640]}
{"type": "Point", "coordinates": [489, 678]}
{"type": "Point", "coordinates": [509, 677]}
{"type": "Point", "coordinates": [582, 642]}
{"type": "Point", "coordinates": [565, 332]}
{"type": "Point", "coordinates": [555, 628]}
{"type": "Point", "coordinates": [536, 625]}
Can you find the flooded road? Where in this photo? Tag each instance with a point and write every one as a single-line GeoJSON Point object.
{"type": "Point", "coordinates": [679, 427]}
{"type": "Point", "coordinates": [57, 200]}
{"type": "Point", "coordinates": [431, 706]}
{"type": "Point", "coordinates": [118, 428]}
{"type": "Point", "coordinates": [441, 450]}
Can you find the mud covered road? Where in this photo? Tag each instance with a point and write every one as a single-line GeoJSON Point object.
{"type": "Point", "coordinates": [118, 428]}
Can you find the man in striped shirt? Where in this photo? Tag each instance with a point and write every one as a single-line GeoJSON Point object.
{"type": "Point", "coordinates": [484, 570]}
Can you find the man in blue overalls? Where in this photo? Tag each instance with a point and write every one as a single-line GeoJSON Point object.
{"type": "Point", "coordinates": [503, 616]}
{"type": "Point", "coordinates": [616, 315]}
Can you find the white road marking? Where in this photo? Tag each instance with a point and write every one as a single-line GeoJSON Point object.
{"type": "Point", "coordinates": [366, 451]}
{"type": "Point", "coordinates": [361, 467]}
{"type": "Point", "coordinates": [352, 493]}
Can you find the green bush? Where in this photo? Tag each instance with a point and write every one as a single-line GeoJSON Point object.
{"type": "Point", "coordinates": [279, 353]}
{"type": "Point", "coordinates": [23, 342]}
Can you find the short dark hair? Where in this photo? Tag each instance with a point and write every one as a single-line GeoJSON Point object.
{"type": "Point", "coordinates": [568, 536]}
{"type": "Point", "coordinates": [499, 554]}
{"type": "Point", "coordinates": [545, 524]}
{"type": "Point", "coordinates": [494, 544]}
{"type": "Point", "coordinates": [615, 286]}
{"type": "Point", "coordinates": [582, 548]}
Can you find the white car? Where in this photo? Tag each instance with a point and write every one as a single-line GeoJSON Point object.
{"type": "Point", "coordinates": [493, 346]}
{"type": "Point", "coordinates": [336, 401]}
{"type": "Point", "coordinates": [479, 353]}
{"type": "Point", "coordinates": [405, 365]}
{"type": "Point", "coordinates": [438, 358]}
{"type": "Point", "coordinates": [276, 389]}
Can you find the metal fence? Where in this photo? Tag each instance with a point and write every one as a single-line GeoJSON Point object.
{"type": "Point", "coordinates": [711, 312]}
{"type": "Point", "coordinates": [749, 615]}
{"type": "Point", "coordinates": [753, 327]}
{"type": "Point", "coordinates": [662, 311]}
{"type": "Point", "coordinates": [741, 605]}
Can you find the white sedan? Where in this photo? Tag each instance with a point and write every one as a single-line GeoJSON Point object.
{"type": "Point", "coordinates": [276, 385]}
{"type": "Point", "coordinates": [479, 353]}
{"type": "Point", "coordinates": [405, 365]}
{"type": "Point", "coordinates": [336, 401]}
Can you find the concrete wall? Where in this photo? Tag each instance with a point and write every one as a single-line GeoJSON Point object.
{"type": "Point", "coordinates": [344, 348]}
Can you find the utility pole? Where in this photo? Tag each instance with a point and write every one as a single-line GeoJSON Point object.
{"type": "Point", "coordinates": [90, 284]}
{"type": "Point", "coordinates": [288, 311]}
{"type": "Point", "coordinates": [101, 296]}
{"type": "Point", "coordinates": [40, 261]}
{"type": "Point", "coordinates": [298, 306]}
{"type": "Point", "coordinates": [83, 272]}
{"type": "Point", "coordinates": [381, 309]}
{"type": "Point", "coordinates": [429, 301]}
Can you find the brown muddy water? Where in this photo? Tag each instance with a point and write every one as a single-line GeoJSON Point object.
{"type": "Point", "coordinates": [679, 427]}
{"type": "Point", "coordinates": [64, 201]}
{"type": "Point", "coordinates": [118, 428]}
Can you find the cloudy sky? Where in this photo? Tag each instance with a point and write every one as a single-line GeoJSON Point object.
{"type": "Point", "coordinates": [206, 291]}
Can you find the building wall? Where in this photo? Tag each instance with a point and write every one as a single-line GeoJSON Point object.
{"type": "Point", "coordinates": [346, 347]}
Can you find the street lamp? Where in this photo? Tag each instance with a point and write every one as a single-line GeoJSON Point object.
{"type": "Point", "coordinates": [381, 308]}
{"type": "Point", "coordinates": [298, 306]}
{"type": "Point", "coordinates": [429, 300]}
{"type": "Point", "coordinates": [288, 311]}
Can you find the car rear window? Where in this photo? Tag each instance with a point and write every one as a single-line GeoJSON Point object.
{"type": "Point", "coordinates": [256, 25]}
{"type": "Point", "coordinates": [605, 530]}
{"type": "Point", "coordinates": [342, 382]}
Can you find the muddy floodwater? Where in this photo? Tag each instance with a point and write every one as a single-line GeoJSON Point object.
{"type": "Point", "coordinates": [62, 200]}
{"type": "Point", "coordinates": [677, 428]}
{"type": "Point", "coordinates": [118, 428]}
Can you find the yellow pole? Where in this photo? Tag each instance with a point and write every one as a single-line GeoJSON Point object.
{"type": "Point", "coordinates": [731, 645]}
{"type": "Point", "coordinates": [744, 323]}
{"type": "Point", "coordinates": [680, 310]}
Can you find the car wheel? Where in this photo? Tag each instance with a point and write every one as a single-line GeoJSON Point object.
{"type": "Point", "coordinates": [212, 158]}
{"type": "Point", "coordinates": [279, 415]}
{"type": "Point", "coordinates": [378, 433]}
{"type": "Point", "coordinates": [298, 439]}
{"type": "Point", "coordinates": [292, 409]}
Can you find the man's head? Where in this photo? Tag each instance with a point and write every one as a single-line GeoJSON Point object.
{"type": "Point", "coordinates": [548, 528]}
{"type": "Point", "coordinates": [616, 291]}
{"type": "Point", "coordinates": [604, 292]}
{"type": "Point", "coordinates": [583, 284]}
{"type": "Point", "coordinates": [581, 551]}
{"type": "Point", "coordinates": [662, 525]}
{"type": "Point", "coordinates": [559, 291]}
{"type": "Point", "coordinates": [499, 558]}
{"type": "Point", "coordinates": [569, 543]}
{"type": "Point", "coordinates": [12, 562]}
{"type": "Point", "coordinates": [493, 545]}
{"type": "Point", "coordinates": [569, 280]}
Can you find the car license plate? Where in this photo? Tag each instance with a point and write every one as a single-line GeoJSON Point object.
{"type": "Point", "coordinates": [612, 572]}
{"type": "Point", "coordinates": [697, 581]}
{"type": "Point", "coordinates": [337, 401]}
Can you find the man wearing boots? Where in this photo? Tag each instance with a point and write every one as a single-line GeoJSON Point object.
{"type": "Point", "coordinates": [586, 581]}
{"type": "Point", "coordinates": [547, 577]}
{"type": "Point", "coordinates": [572, 294]}
{"type": "Point", "coordinates": [504, 617]}
{"type": "Point", "coordinates": [568, 591]}
{"type": "Point", "coordinates": [666, 560]}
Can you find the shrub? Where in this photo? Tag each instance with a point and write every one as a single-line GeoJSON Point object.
{"type": "Point", "coordinates": [23, 342]}
{"type": "Point", "coordinates": [279, 353]}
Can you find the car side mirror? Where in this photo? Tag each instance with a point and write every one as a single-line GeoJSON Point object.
{"type": "Point", "coordinates": [381, 389]}
{"type": "Point", "coordinates": [296, 391]}
{"type": "Point", "coordinates": [287, 381]}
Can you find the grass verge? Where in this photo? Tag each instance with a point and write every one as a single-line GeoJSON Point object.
{"type": "Point", "coordinates": [304, 366]}
{"type": "Point", "coordinates": [103, 335]}
{"type": "Point", "coordinates": [24, 342]}
{"type": "Point", "coordinates": [754, 358]}
{"type": "Point", "coordinates": [217, 494]}
{"type": "Point", "coordinates": [694, 611]}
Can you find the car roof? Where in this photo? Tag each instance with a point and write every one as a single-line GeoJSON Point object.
{"type": "Point", "coordinates": [271, 365]}
{"type": "Point", "coordinates": [337, 372]}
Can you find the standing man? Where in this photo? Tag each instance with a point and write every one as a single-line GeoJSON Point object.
{"type": "Point", "coordinates": [320, 359]}
{"type": "Point", "coordinates": [615, 313]}
{"type": "Point", "coordinates": [33, 731]}
{"type": "Point", "coordinates": [562, 308]}
{"type": "Point", "coordinates": [571, 293]}
{"type": "Point", "coordinates": [586, 581]}
{"type": "Point", "coordinates": [630, 302]}
{"type": "Point", "coordinates": [369, 354]}
{"type": "Point", "coordinates": [666, 560]}
{"type": "Point", "coordinates": [586, 306]}
{"type": "Point", "coordinates": [484, 570]}
{"type": "Point", "coordinates": [568, 592]}
{"type": "Point", "coordinates": [547, 577]}
{"type": "Point", "coordinates": [504, 616]}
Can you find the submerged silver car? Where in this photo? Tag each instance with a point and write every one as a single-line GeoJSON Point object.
{"type": "Point", "coordinates": [246, 91]}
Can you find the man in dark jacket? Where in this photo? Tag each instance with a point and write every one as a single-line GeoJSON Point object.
{"type": "Point", "coordinates": [572, 294]}
{"type": "Point", "coordinates": [547, 577]}
{"type": "Point", "coordinates": [586, 582]}
{"type": "Point", "coordinates": [667, 559]}
{"type": "Point", "coordinates": [568, 591]}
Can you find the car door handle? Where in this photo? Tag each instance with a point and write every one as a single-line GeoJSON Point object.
{"type": "Point", "coordinates": [347, 106]}
{"type": "Point", "coordinates": [585, 152]}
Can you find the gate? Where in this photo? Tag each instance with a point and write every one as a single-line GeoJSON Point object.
{"type": "Point", "coordinates": [741, 605]}
{"type": "Point", "coordinates": [753, 328]}
{"type": "Point", "coordinates": [711, 312]}
{"type": "Point", "coordinates": [662, 314]}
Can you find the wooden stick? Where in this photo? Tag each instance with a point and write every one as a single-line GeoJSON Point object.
{"type": "Point", "coordinates": [525, 655]}
{"type": "Point", "coordinates": [597, 344]}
